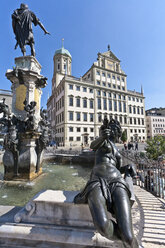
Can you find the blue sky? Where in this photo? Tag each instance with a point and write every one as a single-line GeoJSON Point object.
{"type": "Point", "coordinates": [135, 30]}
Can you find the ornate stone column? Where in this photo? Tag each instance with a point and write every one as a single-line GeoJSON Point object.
{"type": "Point", "coordinates": [22, 157]}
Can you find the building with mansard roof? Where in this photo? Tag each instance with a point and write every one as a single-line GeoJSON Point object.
{"type": "Point", "coordinates": [77, 106]}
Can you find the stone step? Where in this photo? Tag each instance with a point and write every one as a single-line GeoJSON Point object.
{"type": "Point", "coordinates": [153, 211]}
{"type": "Point", "coordinates": [153, 231]}
{"type": "Point", "coordinates": [58, 236]}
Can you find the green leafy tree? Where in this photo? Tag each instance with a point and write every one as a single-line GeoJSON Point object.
{"type": "Point", "coordinates": [124, 136]}
{"type": "Point", "coordinates": [155, 147]}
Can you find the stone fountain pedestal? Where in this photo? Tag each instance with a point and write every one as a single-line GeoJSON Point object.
{"type": "Point", "coordinates": [51, 219]}
{"type": "Point", "coordinates": [20, 158]}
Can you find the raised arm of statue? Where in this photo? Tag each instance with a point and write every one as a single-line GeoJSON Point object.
{"type": "Point", "coordinates": [104, 134]}
{"type": "Point", "coordinates": [43, 28]}
{"type": "Point", "coordinates": [97, 143]}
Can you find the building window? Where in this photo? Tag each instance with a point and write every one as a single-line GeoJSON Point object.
{"type": "Point", "coordinates": [142, 112]}
{"type": "Point", "coordinates": [125, 120]}
{"type": "Point", "coordinates": [84, 103]}
{"type": "Point", "coordinates": [105, 104]}
{"type": "Point", "coordinates": [90, 90]}
{"type": "Point", "coordinates": [98, 82]}
{"type": "Point", "coordinates": [137, 99]}
{"type": "Point", "coordinates": [71, 86]}
{"type": "Point", "coordinates": [99, 117]}
{"type": "Point", "coordinates": [141, 100]}
{"type": "Point", "coordinates": [109, 94]}
{"type": "Point", "coordinates": [133, 98]}
{"type": "Point", "coordinates": [129, 98]}
{"type": "Point", "coordinates": [109, 85]}
{"type": "Point", "coordinates": [121, 119]}
{"type": "Point", "coordinates": [71, 116]}
{"type": "Point", "coordinates": [91, 117]}
{"type": "Point", "coordinates": [142, 121]}
{"type": "Point", "coordinates": [110, 105]}
{"type": "Point", "coordinates": [99, 103]}
{"type": "Point", "coordinates": [124, 107]}
{"type": "Point", "coordinates": [114, 86]}
{"type": "Point", "coordinates": [91, 104]}
{"type": "Point", "coordinates": [78, 116]}
{"type": "Point", "coordinates": [120, 108]}
{"type": "Point", "coordinates": [97, 72]}
{"type": "Point", "coordinates": [70, 138]}
{"type": "Point", "coordinates": [58, 66]}
{"type": "Point", "coordinates": [134, 121]}
{"type": "Point", "coordinates": [138, 111]}
{"type": "Point", "coordinates": [138, 121]}
{"type": "Point", "coordinates": [78, 88]}
{"type": "Point", "coordinates": [84, 116]}
{"type": "Point", "coordinates": [122, 79]}
{"type": "Point", "coordinates": [84, 89]}
{"type": "Point", "coordinates": [78, 138]}
{"type": "Point", "coordinates": [103, 74]}
{"type": "Point", "coordinates": [123, 97]}
{"type": "Point", "coordinates": [119, 96]}
{"type": "Point", "coordinates": [104, 93]}
{"type": "Point", "coordinates": [78, 102]}
{"type": "Point", "coordinates": [108, 75]}
{"type": "Point", "coordinates": [114, 95]}
{"type": "Point", "coordinates": [89, 75]}
{"type": "Point", "coordinates": [98, 93]}
{"type": "Point", "coordinates": [115, 105]}
{"type": "Point", "coordinates": [130, 109]}
{"type": "Point", "coordinates": [91, 129]}
{"type": "Point", "coordinates": [104, 84]}
{"type": "Point", "coordinates": [70, 129]}
{"type": "Point", "coordinates": [131, 121]}
{"type": "Point", "coordinates": [123, 88]}
{"type": "Point", "coordinates": [118, 78]}
{"type": "Point", "coordinates": [71, 101]}
{"type": "Point", "coordinates": [78, 129]}
{"type": "Point", "coordinates": [113, 76]}
{"type": "Point", "coordinates": [134, 110]}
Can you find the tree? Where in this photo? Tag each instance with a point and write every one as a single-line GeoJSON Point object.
{"type": "Point", "coordinates": [155, 147]}
{"type": "Point", "coordinates": [124, 136]}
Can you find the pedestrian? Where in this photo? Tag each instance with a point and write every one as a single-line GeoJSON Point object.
{"type": "Point", "coordinates": [125, 146]}
{"type": "Point", "coordinates": [129, 145]}
{"type": "Point", "coordinates": [136, 146]}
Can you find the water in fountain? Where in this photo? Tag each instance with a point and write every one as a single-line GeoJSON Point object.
{"type": "Point", "coordinates": [55, 176]}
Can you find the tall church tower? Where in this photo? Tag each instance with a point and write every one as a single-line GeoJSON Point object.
{"type": "Point", "coordinates": [62, 65]}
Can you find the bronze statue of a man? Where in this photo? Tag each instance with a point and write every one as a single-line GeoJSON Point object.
{"type": "Point", "coordinates": [107, 191]}
{"type": "Point", "coordinates": [22, 20]}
